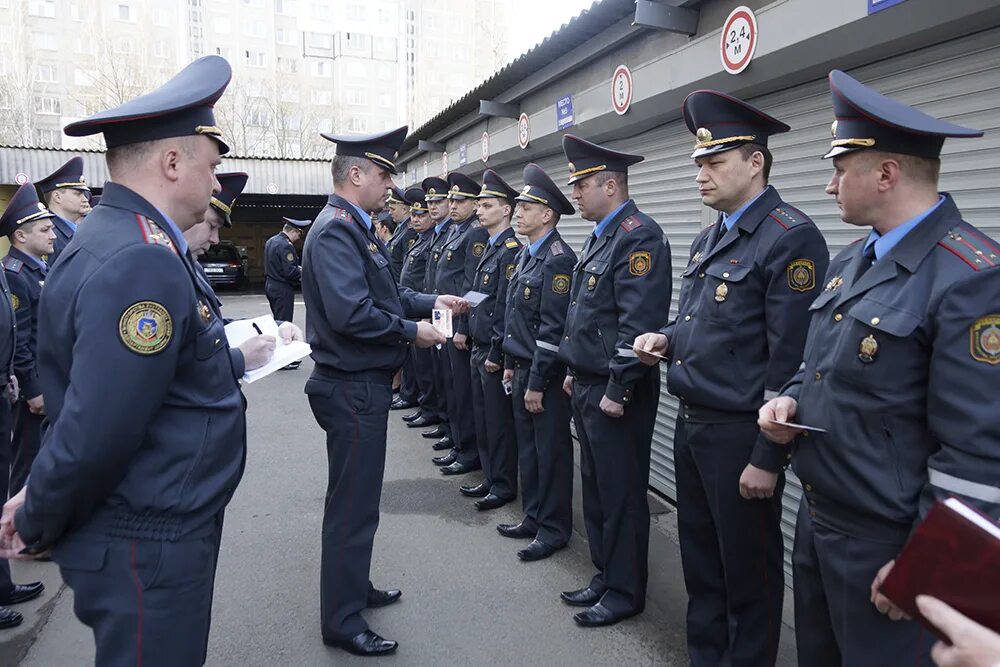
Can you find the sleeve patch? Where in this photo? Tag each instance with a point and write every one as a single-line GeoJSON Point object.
{"type": "Point", "coordinates": [984, 339]}
{"type": "Point", "coordinates": [639, 263]}
{"type": "Point", "coordinates": [560, 283]}
{"type": "Point", "coordinates": [145, 327]}
{"type": "Point", "coordinates": [801, 275]}
{"type": "Point", "coordinates": [291, 257]}
{"type": "Point", "coordinates": [509, 272]}
{"type": "Point", "coordinates": [478, 249]}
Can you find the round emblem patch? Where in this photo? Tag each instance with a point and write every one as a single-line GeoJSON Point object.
{"type": "Point", "coordinates": [291, 257]}
{"type": "Point", "coordinates": [560, 283]}
{"type": "Point", "coordinates": [985, 340]}
{"type": "Point", "coordinates": [639, 263]}
{"type": "Point", "coordinates": [801, 275]}
{"type": "Point", "coordinates": [478, 249]}
{"type": "Point", "coordinates": [146, 327]}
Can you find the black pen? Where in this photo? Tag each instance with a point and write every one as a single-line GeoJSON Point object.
{"type": "Point", "coordinates": [257, 329]}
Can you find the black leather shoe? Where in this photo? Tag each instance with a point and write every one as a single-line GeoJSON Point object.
{"type": "Point", "coordinates": [410, 417]}
{"type": "Point", "coordinates": [378, 598]}
{"type": "Point", "coordinates": [22, 593]}
{"type": "Point", "coordinates": [400, 404]}
{"type": "Point", "coordinates": [366, 644]}
{"type": "Point", "coordinates": [491, 502]}
{"type": "Point", "coordinates": [536, 551]}
{"type": "Point", "coordinates": [457, 468]}
{"type": "Point", "coordinates": [9, 618]}
{"type": "Point", "coordinates": [445, 460]}
{"type": "Point", "coordinates": [517, 531]}
{"type": "Point", "coordinates": [599, 616]}
{"type": "Point", "coordinates": [480, 490]}
{"type": "Point", "coordinates": [422, 421]}
{"type": "Point", "coordinates": [585, 597]}
{"type": "Point", "coordinates": [291, 367]}
{"type": "Point", "coordinates": [439, 432]}
{"type": "Point", "coordinates": [443, 444]}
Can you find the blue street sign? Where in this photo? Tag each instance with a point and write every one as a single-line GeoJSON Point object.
{"type": "Point", "coordinates": [879, 5]}
{"type": "Point", "coordinates": [564, 112]}
{"type": "Point", "coordinates": [463, 154]}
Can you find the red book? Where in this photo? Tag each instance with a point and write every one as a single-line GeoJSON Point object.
{"type": "Point", "coordinates": [953, 555]}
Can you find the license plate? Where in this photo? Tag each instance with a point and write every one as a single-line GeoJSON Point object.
{"type": "Point", "coordinates": [211, 269]}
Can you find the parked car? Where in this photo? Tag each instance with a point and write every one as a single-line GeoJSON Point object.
{"type": "Point", "coordinates": [224, 264]}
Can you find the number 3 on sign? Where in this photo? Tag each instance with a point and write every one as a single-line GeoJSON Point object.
{"type": "Point", "coordinates": [739, 40]}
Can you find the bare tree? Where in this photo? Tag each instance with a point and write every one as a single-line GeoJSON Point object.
{"type": "Point", "coordinates": [18, 79]}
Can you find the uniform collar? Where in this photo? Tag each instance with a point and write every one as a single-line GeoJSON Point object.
{"type": "Point", "coordinates": [886, 242]}
{"type": "Point", "coordinates": [600, 227]}
{"type": "Point", "coordinates": [175, 232]}
{"type": "Point", "coordinates": [121, 197]}
{"type": "Point", "coordinates": [71, 226]}
{"type": "Point", "coordinates": [536, 246]}
{"type": "Point", "coordinates": [441, 225]}
{"type": "Point", "coordinates": [501, 236]}
{"type": "Point", "coordinates": [734, 217]}
{"type": "Point", "coordinates": [362, 216]}
{"type": "Point", "coordinates": [28, 259]}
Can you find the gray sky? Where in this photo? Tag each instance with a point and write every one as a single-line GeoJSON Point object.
{"type": "Point", "coordinates": [537, 19]}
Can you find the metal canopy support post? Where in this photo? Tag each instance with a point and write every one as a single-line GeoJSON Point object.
{"type": "Point", "coordinates": [663, 16]}
{"type": "Point", "coordinates": [498, 109]}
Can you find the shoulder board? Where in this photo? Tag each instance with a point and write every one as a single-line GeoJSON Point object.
{"type": "Point", "coordinates": [12, 264]}
{"type": "Point", "coordinates": [342, 214]}
{"type": "Point", "coordinates": [556, 248]}
{"type": "Point", "coordinates": [153, 235]}
{"type": "Point", "coordinates": [630, 223]}
{"type": "Point", "coordinates": [787, 216]}
{"type": "Point", "coordinates": [512, 243]}
{"type": "Point", "coordinates": [971, 247]}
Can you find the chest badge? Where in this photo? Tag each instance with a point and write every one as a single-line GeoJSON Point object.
{"type": "Point", "coordinates": [985, 340]}
{"type": "Point", "coordinates": [486, 279]}
{"type": "Point", "coordinates": [721, 292]}
{"type": "Point", "coordinates": [510, 271]}
{"type": "Point", "coordinates": [697, 257]}
{"type": "Point", "coordinates": [14, 301]}
{"type": "Point", "coordinates": [834, 283]}
{"type": "Point", "coordinates": [371, 247]}
{"type": "Point", "coordinates": [527, 293]}
{"type": "Point", "coordinates": [591, 283]}
{"type": "Point", "coordinates": [205, 312]}
{"type": "Point", "coordinates": [868, 349]}
{"type": "Point", "coordinates": [437, 256]}
{"type": "Point", "coordinates": [449, 255]}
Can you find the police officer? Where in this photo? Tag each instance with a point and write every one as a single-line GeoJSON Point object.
{"type": "Point", "coordinates": [462, 251]}
{"type": "Point", "coordinates": [736, 340]}
{"type": "Point", "coordinates": [536, 317]}
{"type": "Point", "coordinates": [255, 351]}
{"type": "Point", "coordinates": [418, 364]}
{"type": "Point", "coordinates": [129, 487]}
{"type": "Point", "coordinates": [490, 403]}
{"type": "Point", "coordinates": [621, 288]}
{"type": "Point", "coordinates": [66, 194]}
{"type": "Point", "coordinates": [31, 239]}
{"type": "Point", "coordinates": [282, 268]}
{"type": "Point", "coordinates": [23, 205]}
{"type": "Point", "coordinates": [436, 195]}
{"type": "Point", "coordinates": [901, 362]}
{"type": "Point", "coordinates": [359, 339]}
{"type": "Point", "coordinates": [404, 236]}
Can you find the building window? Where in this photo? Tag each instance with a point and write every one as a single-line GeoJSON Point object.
{"type": "Point", "coordinates": [255, 58]}
{"type": "Point", "coordinates": [359, 125]}
{"type": "Point", "coordinates": [286, 7]}
{"type": "Point", "coordinates": [324, 125]}
{"type": "Point", "coordinates": [44, 8]}
{"type": "Point", "coordinates": [44, 40]}
{"type": "Point", "coordinates": [258, 118]}
{"type": "Point", "coordinates": [355, 12]}
{"type": "Point", "coordinates": [289, 94]}
{"type": "Point", "coordinates": [47, 138]}
{"type": "Point", "coordinates": [82, 77]}
{"type": "Point", "coordinates": [124, 13]}
{"type": "Point", "coordinates": [288, 65]}
{"type": "Point", "coordinates": [254, 28]}
{"type": "Point", "coordinates": [47, 105]}
{"type": "Point", "coordinates": [357, 97]}
{"type": "Point", "coordinates": [385, 48]}
{"type": "Point", "coordinates": [254, 3]}
{"type": "Point", "coordinates": [222, 51]}
{"type": "Point", "coordinates": [324, 97]}
{"type": "Point", "coordinates": [46, 74]}
{"type": "Point", "coordinates": [286, 36]}
{"type": "Point", "coordinates": [321, 11]}
{"type": "Point", "coordinates": [320, 41]}
{"type": "Point", "coordinates": [322, 68]}
{"type": "Point", "coordinates": [385, 100]}
{"type": "Point", "coordinates": [355, 42]}
{"type": "Point", "coordinates": [124, 45]}
{"type": "Point", "coordinates": [161, 17]}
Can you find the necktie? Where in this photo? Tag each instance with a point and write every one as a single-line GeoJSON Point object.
{"type": "Point", "coordinates": [717, 234]}
{"type": "Point", "coordinates": [867, 259]}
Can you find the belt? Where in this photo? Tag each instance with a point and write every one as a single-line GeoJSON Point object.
{"type": "Point", "coordinates": [834, 515]}
{"type": "Point", "coordinates": [700, 413]}
{"type": "Point", "coordinates": [380, 376]}
{"type": "Point", "coordinates": [149, 526]}
{"type": "Point", "coordinates": [589, 378]}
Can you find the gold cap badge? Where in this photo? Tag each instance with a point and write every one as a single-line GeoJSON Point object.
{"type": "Point", "coordinates": [703, 134]}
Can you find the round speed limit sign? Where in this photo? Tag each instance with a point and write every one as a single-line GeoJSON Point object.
{"type": "Point", "coordinates": [485, 146]}
{"type": "Point", "coordinates": [621, 90]}
{"type": "Point", "coordinates": [523, 131]}
{"type": "Point", "coordinates": [739, 40]}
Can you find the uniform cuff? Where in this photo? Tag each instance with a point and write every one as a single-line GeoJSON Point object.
{"type": "Point", "coordinates": [30, 386]}
{"type": "Point", "coordinates": [536, 382]}
{"type": "Point", "coordinates": [239, 362]}
{"type": "Point", "coordinates": [619, 393]}
{"type": "Point", "coordinates": [495, 355]}
{"type": "Point", "coordinates": [409, 330]}
{"type": "Point", "coordinates": [770, 456]}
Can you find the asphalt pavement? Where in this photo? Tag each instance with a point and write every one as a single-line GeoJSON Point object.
{"type": "Point", "coordinates": [467, 598]}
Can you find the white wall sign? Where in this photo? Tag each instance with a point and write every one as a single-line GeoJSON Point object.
{"type": "Point", "coordinates": [739, 40]}
{"type": "Point", "coordinates": [272, 189]}
{"type": "Point", "coordinates": [444, 163]}
{"type": "Point", "coordinates": [621, 89]}
{"type": "Point", "coordinates": [486, 146]}
{"type": "Point", "coordinates": [523, 131]}
{"type": "Point", "coordinates": [20, 178]}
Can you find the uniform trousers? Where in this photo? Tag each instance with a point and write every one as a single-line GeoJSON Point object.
{"type": "Point", "coordinates": [614, 471]}
{"type": "Point", "coordinates": [494, 426]}
{"type": "Point", "coordinates": [836, 625]}
{"type": "Point", "coordinates": [6, 457]}
{"type": "Point", "coordinates": [27, 439]}
{"type": "Point", "coordinates": [731, 549]}
{"type": "Point", "coordinates": [461, 421]}
{"type": "Point", "coordinates": [545, 458]}
{"type": "Point", "coordinates": [281, 298]}
{"type": "Point", "coordinates": [353, 409]}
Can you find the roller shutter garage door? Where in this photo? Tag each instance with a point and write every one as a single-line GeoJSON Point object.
{"type": "Point", "coordinates": [958, 81]}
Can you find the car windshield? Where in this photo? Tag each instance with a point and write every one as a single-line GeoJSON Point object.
{"type": "Point", "coordinates": [220, 253]}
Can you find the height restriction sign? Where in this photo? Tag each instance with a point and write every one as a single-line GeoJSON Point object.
{"type": "Point", "coordinates": [621, 89]}
{"type": "Point", "coordinates": [739, 40]}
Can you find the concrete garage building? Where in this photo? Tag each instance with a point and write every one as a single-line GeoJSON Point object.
{"type": "Point", "coordinates": [943, 57]}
